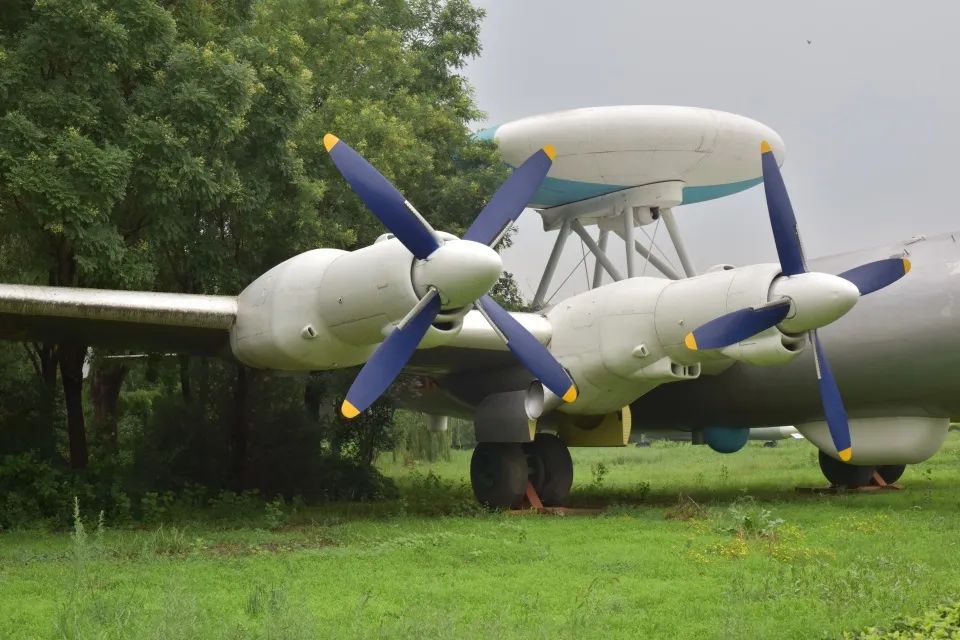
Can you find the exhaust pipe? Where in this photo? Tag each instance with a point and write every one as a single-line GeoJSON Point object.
{"type": "Point", "coordinates": [539, 400]}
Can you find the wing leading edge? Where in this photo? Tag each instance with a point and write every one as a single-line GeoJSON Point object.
{"type": "Point", "coordinates": [200, 324]}
{"type": "Point", "coordinates": [145, 320]}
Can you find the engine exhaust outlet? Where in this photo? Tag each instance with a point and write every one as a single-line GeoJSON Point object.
{"type": "Point", "coordinates": [539, 400]}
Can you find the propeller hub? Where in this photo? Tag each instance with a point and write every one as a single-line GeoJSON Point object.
{"type": "Point", "coordinates": [816, 299]}
{"type": "Point", "coordinates": [461, 270]}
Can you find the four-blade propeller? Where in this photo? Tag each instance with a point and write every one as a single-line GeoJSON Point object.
{"type": "Point", "coordinates": [829, 296]}
{"type": "Point", "coordinates": [461, 272]}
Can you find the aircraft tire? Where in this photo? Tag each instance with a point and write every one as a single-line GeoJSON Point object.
{"type": "Point", "coordinates": [498, 473]}
{"type": "Point", "coordinates": [891, 472]}
{"type": "Point", "coordinates": [841, 474]}
{"type": "Point", "coordinates": [551, 469]}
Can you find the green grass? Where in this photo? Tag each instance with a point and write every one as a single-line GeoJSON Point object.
{"type": "Point", "coordinates": [692, 545]}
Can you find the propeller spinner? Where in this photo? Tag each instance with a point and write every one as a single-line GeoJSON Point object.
{"type": "Point", "coordinates": [448, 273]}
{"type": "Point", "coordinates": [816, 299]}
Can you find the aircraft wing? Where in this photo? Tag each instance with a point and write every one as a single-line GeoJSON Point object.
{"type": "Point", "coordinates": [477, 347]}
{"type": "Point", "coordinates": [200, 324]}
{"type": "Point", "coordinates": [145, 320]}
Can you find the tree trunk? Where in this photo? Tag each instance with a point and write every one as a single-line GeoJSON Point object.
{"type": "Point", "coordinates": [184, 363]}
{"type": "Point", "coordinates": [106, 381]}
{"type": "Point", "coordinates": [240, 429]}
{"type": "Point", "coordinates": [312, 396]}
{"type": "Point", "coordinates": [71, 375]}
{"type": "Point", "coordinates": [47, 355]}
{"type": "Point", "coordinates": [43, 357]}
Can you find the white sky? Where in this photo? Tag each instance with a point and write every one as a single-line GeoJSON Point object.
{"type": "Point", "coordinates": [868, 110]}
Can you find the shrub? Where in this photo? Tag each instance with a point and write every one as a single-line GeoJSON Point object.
{"type": "Point", "coordinates": [431, 495]}
{"type": "Point", "coordinates": [599, 472]}
{"type": "Point", "coordinates": [31, 490]}
{"type": "Point", "coordinates": [746, 519]}
{"type": "Point", "coordinates": [685, 509]}
{"type": "Point", "coordinates": [942, 622]}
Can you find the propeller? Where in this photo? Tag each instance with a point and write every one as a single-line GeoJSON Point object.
{"type": "Point", "coordinates": [739, 325]}
{"type": "Point", "coordinates": [461, 272]}
{"type": "Point", "coordinates": [816, 298]}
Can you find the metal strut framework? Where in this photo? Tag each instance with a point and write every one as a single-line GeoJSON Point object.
{"type": "Point", "coordinates": [620, 212]}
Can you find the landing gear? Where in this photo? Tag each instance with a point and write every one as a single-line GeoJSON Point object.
{"type": "Point", "coordinates": [551, 469]}
{"type": "Point", "coordinates": [499, 472]}
{"type": "Point", "coordinates": [841, 474]}
{"type": "Point", "coordinates": [891, 472]}
{"type": "Point", "coordinates": [852, 476]}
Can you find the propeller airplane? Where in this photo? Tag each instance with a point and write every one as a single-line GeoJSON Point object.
{"type": "Point", "coordinates": [414, 311]}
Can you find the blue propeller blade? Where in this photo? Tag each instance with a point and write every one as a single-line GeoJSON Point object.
{"type": "Point", "coordinates": [736, 326]}
{"type": "Point", "coordinates": [833, 410]}
{"type": "Point", "coordinates": [511, 198]}
{"type": "Point", "coordinates": [388, 360]}
{"type": "Point", "coordinates": [529, 351]}
{"type": "Point", "coordinates": [382, 198]}
{"type": "Point", "coordinates": [782, 220]}
{"type": "Point", "coordinates": [877, 275]}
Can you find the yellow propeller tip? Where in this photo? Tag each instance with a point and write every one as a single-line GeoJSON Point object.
{"type": "Point", "coordinates": [691, 342]}
{"type": "Point", "coordinates": [846, 454]}
{"type": "Point", "coordinates": [571, 394]}
{"type": "Point", "coordinates": [765, 147]}
{"type": "Point", "coordinates": [330, 141]}
{"type": "Point", "coordinates": [906, 266]}
{"type": "Point", "coordinates": [550, 150]}
{"type": "Point", "coordinates": [348, 410]}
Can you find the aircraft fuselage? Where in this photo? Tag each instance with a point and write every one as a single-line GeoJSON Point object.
{"type": "Point", "coordinates": [897, 353]}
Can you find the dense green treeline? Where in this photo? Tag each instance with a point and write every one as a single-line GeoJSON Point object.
{"type": "Point", "coordinates": [175, 145]}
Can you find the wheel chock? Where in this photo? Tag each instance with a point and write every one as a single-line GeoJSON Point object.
{"type": "Point", "coordinates": [533, 500]}
{"type": "Point", "coordinates": [533, 505]}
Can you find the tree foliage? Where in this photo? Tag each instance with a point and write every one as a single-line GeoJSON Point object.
{"type": "Point", "coordinates": [175, 145]}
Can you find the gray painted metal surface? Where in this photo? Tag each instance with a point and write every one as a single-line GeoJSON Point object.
{"type": "Point", "coordinates": [897, 353]}
{"type": "Point", "coordinates": [597, 267]}
{"type": "Point", "coordinates": [141, 320]}
{"type": "Point", "coordinates": [595, 250]}
{"type": "Point", "coordinates": [661, 266]}
{"type": "Point", "coordinates": [670, 221]}
{"type": "Point", "coordinates": [628, 228]}
{"type": "Point", "coordinates": [144, 307]}
{"type": "Point", "coordinates": [551, 267]}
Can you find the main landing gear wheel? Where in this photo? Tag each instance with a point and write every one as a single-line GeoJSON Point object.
{"type": "Point", "coordinates": [551, 469]}
{"type": "Point", "coordinates": [841, 474]}
{"type": "Point", "coordinates": [498, 473]}
{"type": "Point", "coordinates": [891, 472]}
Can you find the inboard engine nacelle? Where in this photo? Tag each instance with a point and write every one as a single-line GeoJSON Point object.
{"type": "Point", "coordinates": [622, 340]}
{"type": "Point", "coordinates": [327, 308]}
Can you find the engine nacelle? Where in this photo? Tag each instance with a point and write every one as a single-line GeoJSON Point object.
{"type": "Point", "coordinates": [327, 308]}
{"type": "Point", "coordinates": [884, 440]}
{"type": "Point", "coordinates": [767, 348]}
{"type": "Point", "coordinates": [626, 338]}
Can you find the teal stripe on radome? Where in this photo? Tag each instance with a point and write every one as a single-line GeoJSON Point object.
{"type": "Point", "coordinates": [712, 192]}
{"type": "Point", "coordinates": [557, 191]}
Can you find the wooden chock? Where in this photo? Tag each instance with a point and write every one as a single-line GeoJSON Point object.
{"type": "Point", "coordinates": [533, 499]}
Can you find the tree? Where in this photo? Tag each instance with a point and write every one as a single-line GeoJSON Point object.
{"type": "Point", "coordinates": [65, 84]}
{"type": "Point", "coordinates": [176, 145]}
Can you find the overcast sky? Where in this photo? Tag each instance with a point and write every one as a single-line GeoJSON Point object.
{"type": "Point", "coordinates": [868, 110]}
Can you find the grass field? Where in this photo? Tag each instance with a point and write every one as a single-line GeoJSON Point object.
{"type": "Point", "coordinates": [692, 545]}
